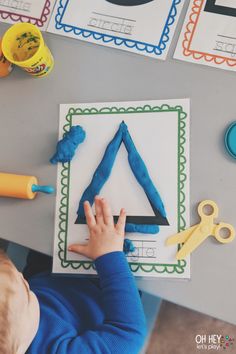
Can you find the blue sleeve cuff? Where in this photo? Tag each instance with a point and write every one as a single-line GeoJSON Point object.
{"type": "Point", "coordinates": [112, 263]}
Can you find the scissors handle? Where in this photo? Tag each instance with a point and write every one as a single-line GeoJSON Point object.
{"type": "Point", "coordinates": [208, 209]}
{"type": "Point", "coordinates": [229, 228]}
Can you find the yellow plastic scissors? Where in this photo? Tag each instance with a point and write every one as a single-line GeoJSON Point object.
{"type": "Point", "coordinates": [195, 235]}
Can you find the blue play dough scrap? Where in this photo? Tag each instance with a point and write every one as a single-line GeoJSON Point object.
{"type": "Point", "coordinates": [128, 246]}
{"type": "Point", "coordinates": [139, 170]}
{"type": "Point", "coordinates": [66, 147]}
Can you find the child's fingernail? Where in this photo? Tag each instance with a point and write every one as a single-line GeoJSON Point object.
{"type": "Point", "coordinates": [70, 248]}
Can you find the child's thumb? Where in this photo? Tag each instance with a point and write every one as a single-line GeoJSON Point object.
{"type": "Point", "coordinates": [77, 248]}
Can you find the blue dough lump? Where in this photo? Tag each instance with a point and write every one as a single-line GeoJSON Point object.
{"type": "Point", "coordinates": [66, 147]}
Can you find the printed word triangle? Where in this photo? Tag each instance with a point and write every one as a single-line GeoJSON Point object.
{"type": "Point", "coordinates": [142, 224]}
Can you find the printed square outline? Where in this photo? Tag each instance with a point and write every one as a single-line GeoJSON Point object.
{"type": "Point", "coordinates": [219, 9]}
{"type": "Point", "coordinates": [189, 34]}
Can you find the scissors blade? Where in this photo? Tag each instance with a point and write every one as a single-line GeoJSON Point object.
{"type": "Point", "coordinates": [180, 237]}
{"type": "Point", "coordinates": [193, 242]}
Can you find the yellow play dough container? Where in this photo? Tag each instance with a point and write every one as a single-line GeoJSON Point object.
{"type": "Point", "coordinates": [23, 45]}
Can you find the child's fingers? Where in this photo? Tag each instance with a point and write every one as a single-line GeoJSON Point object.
{"type": "Point", "coordinates": [106, 210]}
{"type": "Point", "coordinates": [98, 210]}
{"type": "Point", "coordinates": [89, 215]}
{"type": "Point", "coordinates": [77, 248]}
{"type": "Point", "coordinates": [120, 226]}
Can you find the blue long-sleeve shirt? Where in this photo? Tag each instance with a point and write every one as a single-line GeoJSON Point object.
{"type": "Point", "coordinates": [78, 316]}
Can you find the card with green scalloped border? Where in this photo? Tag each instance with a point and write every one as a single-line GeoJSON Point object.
{"type": "Point", "coordinates": [160, 131]}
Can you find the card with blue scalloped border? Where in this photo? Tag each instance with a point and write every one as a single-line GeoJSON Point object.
{"type": "Point", "coordinates": [160, 132]}
{"type": "Point", "coordinates": [144, 27]}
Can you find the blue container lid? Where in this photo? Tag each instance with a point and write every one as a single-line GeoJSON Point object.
{"type": "Point", "coordinates": [230, 140]}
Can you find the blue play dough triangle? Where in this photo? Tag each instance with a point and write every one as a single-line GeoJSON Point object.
{"type": "Point", "coordinates": [142, 224]}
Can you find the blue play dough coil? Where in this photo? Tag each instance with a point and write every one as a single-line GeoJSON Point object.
{"type": "Point", "coordinates": [102, 172]}
{"type": "Point", "coordinates": [142, 229]}
{"type": "Point", "coordinates": [139, 170]}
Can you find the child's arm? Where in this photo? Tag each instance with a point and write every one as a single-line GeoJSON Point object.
{"type": "Point", "coordinates": [123, 329]}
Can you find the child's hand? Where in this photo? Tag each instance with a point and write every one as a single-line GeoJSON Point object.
{"type": "Point", "coordinates": [105, 237]}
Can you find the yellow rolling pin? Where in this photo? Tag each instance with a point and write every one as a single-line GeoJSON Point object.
{"type": "Point", "coordinates": [19, 186]}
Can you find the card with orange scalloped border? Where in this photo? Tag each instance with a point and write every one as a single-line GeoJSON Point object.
{"type": "Point", "coordinates": [37, 12]}
{"type": "Point", "coordinates": [208, 35]}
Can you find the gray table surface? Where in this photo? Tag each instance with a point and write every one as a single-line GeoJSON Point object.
{"type": "Point", "coordinates": [29, 115]}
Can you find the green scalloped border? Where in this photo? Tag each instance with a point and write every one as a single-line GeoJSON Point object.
{"type": "Point", "coordinates": [178, 267]}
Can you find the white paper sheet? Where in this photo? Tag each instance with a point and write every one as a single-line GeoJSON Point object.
{"type": "Point", "coordinates": [146, 29]}
{"type": "Point", "coordinates": [208, 34]}
{"type": "Point", "coordinates": [37, 12]}
{"type": "Point", "coordinates": [160, 131]}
